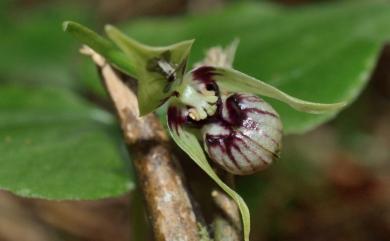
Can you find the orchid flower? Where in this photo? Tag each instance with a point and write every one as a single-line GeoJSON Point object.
{"type": "Point", "coordinates": [239, 130]}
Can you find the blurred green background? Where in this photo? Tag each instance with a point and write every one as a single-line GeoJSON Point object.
{"type": "Point", "coordinates": [333, 184]}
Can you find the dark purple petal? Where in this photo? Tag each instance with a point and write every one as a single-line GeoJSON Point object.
{"type": "Point", "coordinates": [176, 118]}
{"type": "Point", "coordinates": [204, 74]}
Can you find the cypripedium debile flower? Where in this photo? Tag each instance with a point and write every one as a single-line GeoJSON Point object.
{"type": "Point", "coordinates": [238, 130]}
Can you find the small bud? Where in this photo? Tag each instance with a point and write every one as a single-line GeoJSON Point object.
{"type": "Point", "coordinates": [245, 135]}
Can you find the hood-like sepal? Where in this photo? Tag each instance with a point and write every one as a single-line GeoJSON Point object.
{"type": "Point", "coordinates": [159, 69]}
{"type": "Point", "coordinates": [188, 142]}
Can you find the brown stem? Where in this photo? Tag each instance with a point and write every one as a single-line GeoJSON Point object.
{"type": "Point", "coordinates": [224, 230]}
{"type": "Point", "coordinates": [227, 222]}
{"type": "Point", "coordinates": [168, 202]}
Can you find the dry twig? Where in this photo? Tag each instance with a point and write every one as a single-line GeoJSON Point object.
{"type": "Point", "coordinates": [160, 177]}
{"type": "Point", "coordinates": [227, 223]}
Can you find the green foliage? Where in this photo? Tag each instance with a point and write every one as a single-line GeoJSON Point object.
{"type": "Point", "coordinates": [322, 53]}
{"type": "Point", "coordinates": [55, 146]}
{"type": "Point", "coordinates": [33, 47]}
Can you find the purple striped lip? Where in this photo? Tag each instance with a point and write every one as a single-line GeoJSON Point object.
{"type": "Point", "coordinates": [245, 136]}
{"type": "Point", "coordinates": [245, 133]}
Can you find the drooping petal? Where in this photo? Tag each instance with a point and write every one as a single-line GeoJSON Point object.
{"type": "Point", "coordinates": [160, 69]}
{"type": "Point", "coordinates": [234, 81]}
{"type": "Point", "coordinates": [188, 142]}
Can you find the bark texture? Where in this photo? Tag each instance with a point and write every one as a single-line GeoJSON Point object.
{"type": "Point", "coordinates": [169, 206]}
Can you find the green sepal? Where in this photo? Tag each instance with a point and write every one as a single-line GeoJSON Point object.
{"type": "Point", "coordinates": [154, 87]}
{"type": "Point", "coordinates": [235, 81]}
{"type": "Point", "coordinates": [188, 142]}
{"type": "Point", "coordinates": [102, 46]}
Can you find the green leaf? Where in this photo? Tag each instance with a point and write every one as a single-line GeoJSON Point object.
{"type": "Point", "coordinates": [235, 81]}
{"type": "Point", "coordinates": [34, 49]}
{"type": "Point", "coordinates": [55, 146]}
{"type": "Point", "coordinates": [188, 142]}
{"type": "Point", "coordinates": [322, 53]}
{"type": "Point", "coordinates": [101, 46]}
{"type": "Point", "coordinates": [154, 87]}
